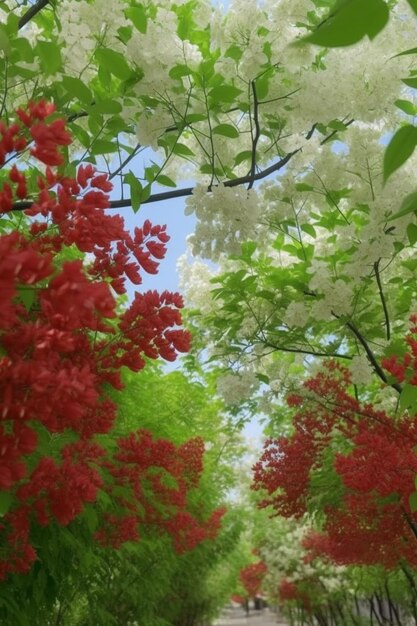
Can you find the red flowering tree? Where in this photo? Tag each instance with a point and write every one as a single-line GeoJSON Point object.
{"type": "Point", "coordinates": [252, 577]}
{"type": "Point", "coordinates": [63, 344]}
{"type": "Point", "coordinates": [368, 458]}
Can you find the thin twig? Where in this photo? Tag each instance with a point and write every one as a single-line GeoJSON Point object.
{"type": "Point", "coordinates": [269, 344]}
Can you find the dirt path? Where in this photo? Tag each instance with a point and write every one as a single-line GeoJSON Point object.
{"type": "Point", "coordinates": [237, 617]}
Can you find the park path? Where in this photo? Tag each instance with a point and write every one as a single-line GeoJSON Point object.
{"type": "Point", "coordinates": [237, 617]}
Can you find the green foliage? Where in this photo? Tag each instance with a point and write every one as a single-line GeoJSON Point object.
{"type": "Point", "coordinates": [349, 21]}
{"type": "Point", "coordinates": [400, 148]}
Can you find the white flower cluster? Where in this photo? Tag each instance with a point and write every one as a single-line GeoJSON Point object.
{"type": "Point", "coordinates": [296, 314]}
{"type": "Point", "coordinates": [226, 217]}
{"type": "Point", "coordinates": [338, 294]}
{"type": "Point", "coordinates": [236, 388]}
{"type": "Point", "coordinates": [158, 50]}
{"type": "Point", "coordinates": [84, 27]}
{"type": "Point", "coordinates": [195, 284]}
{"type": "Point", "coordinates": [284, 556]}
{"type": "Point", "coordinates": [151, 125]}
{"type": "Point", "coordinates": [361, 370]}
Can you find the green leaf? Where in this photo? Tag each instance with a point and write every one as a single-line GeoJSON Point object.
{"type": "Point", "coordinates": [309, 229]}
{"type": "Point", "coordinates": [349, 21]}
{"type": "Point", "coordinates": [135, 190]}
{"type": "Point", "coordinates": [6, 500]}
{"type": "Point", "coordinates": [165, 180]}
{"type": "Point", "coordinates": [182, 150]}
{"type": "Point", "coordinates": [191, 118]}
{"type": "Point", "coordinates": [406, 106]}
{"type": "Point", "coordinates": [107, 107]}
{"type": "Point", "coordinates": [303, 187]}
{"type": "Point", "coordinates": [114, 62]}
{"type": "Point", "coordinates": [337, 125]}
{"type": "Point", "coordinates": [413, 5]}
{"type": "Point", "coordinates": [138, 16]}
{"type": "Point", "coordinates": [410, 82]}
{"type": "Point", "coordinates": [77, 88]}
{"type": "Point", "coordinates": [408, 398]}
{"type": "Point", "coordinates": [248, 248]}
{"type": "Point", "coordinates": [405, 52]}
{"type": "Point", "coordinates": [91, 518]}
{"type": "Point", "coordinates": [49, 56]}
{"type": "Point", "coordinates": [413, 501]}
{"type": "Point", "coordinates": [102, 146]}
{"type": "Point", "coordinates": [412, 234]}
{"type": "Point", "coordinates": [263, 378]}
{"type": "Point", "coordinates": [409, 205]}
{"type": "Point", "coordinates": [224, 93]}
{"type": "Point", "coordinates": [245, 155]}
{"type": "Point", "coordinates": [178, 71]}
{"type": "Point", "coordinates": [234, 52]}
{"type": "Point", "coordinates": [27, 296]}
{"type": "Point", "coordinates": [399, 149]}
{"type": "Point", "coordinates": [24, 49]}
{"type": "Point", "coordinates": [227, 130]}
{"type": "Point", "coordinates": [81, 134]}
{"type": "Point", "coordinates": [4, 40]}
{"type": "Point", "coordinates": [262, 85]}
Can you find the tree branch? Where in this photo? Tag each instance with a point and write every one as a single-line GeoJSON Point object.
{"type": "Point", "coordinates": [30, 13]}
{"type": "Point", "coordinates": [187, 191]}
{"type": "Point", "coordinates": [255, 137]}
{"type": "Point", "coordinates": [383, 301]}
{"type": "Point", "coordinates": [269, 344]}
{"type": "Point", "coordinates": [378, 370]}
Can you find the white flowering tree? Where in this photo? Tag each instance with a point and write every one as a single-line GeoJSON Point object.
{"type": "Point", "coordinates": [314, 590]}
{"type": "Point", "coordinates": [328, 269]}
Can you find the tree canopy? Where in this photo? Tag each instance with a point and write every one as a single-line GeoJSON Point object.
{"type": "Point", "coordinates": [294, 120]}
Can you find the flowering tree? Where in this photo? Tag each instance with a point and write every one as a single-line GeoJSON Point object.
{"type": "Point", "coordinates": [64, 344]}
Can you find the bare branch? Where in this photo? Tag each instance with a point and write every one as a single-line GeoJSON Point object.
{"type": "Point", "coordinates": [328, 355]}
{"type": "Point", "coordinates": [30, 13]}
{"type": "Point", "coordinates": [187, 191]}
{"type": "Point", "coordinates": [383, 301]}
{"type": "Point", "coordinates": [255, 137]}
{"type": "Point", "coordinates": [377, 368]}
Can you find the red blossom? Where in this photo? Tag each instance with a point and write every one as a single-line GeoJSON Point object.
{"type": "Point", "coordinates": [62, 344]}
{"type": "Point", "coordinates": [372, 521]}
{"type": "Point", "coordinates": [252, 577]}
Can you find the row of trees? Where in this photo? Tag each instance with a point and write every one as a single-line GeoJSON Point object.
{"type": "Point", "coordinates": [281, 114]}
{"type": "Point", "coordinates": [331, 285]}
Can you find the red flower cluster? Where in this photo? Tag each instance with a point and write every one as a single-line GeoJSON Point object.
{"type": "Point", "coordinates": [404, 367]}
{"type": "Point", "coordinates": [61, 339]}
{"type": "Point", "coordinates": [154, 477]}
{"type": "Point", "coordinates": [372, 522]}
{"type": "Point", "coordinates": [288, 591]}
{"type": "Point", "coordinates": [252, 577]}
